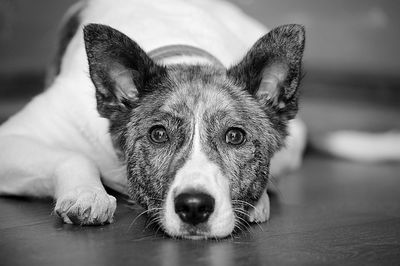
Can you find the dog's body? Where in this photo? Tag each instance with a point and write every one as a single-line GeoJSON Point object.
{"type": "Point", "coordinates": [60, 146]}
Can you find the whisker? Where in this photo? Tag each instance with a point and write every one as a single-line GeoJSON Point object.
{"type": "Point", "coordinates": [241, 212]}
{"type": "Point", "coordinates": [259, 226]}
{"type": "Point", "coordinates": [244, 202]}
{"type": "Point", "coordinates": [154, 220]}
{"type": "Point", "coordinates": [247, 215]}
{"type": "Point", "coordinates": [241, 228]}
{"type": "Point", "coordinates": [243, 223]}
{"type": "Point", "coordinates": [159, 226]}
{"type": "Point", "coordinates": [274, 184]}
{"type": "Point", "coordinates": [137, 217]}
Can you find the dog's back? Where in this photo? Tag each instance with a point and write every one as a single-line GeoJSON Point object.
{"type": "Point", "coordinates": [65, 114]}
{"type": "Point", "coordinates": [165, 130]}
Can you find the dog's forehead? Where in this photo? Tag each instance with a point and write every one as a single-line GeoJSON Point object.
{"type": "Point", "coordinates": [193, 98]}
{"type": "Point", "coordinates": [200, 90]}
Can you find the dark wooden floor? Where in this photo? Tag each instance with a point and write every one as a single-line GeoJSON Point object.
{"type": "Point", "coordinates": [330, 212]}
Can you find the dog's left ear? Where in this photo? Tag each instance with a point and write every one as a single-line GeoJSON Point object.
{"type": "Point", "coordinates": [271, 70]}
{"type": "Point", "coordinates": [120, 70]}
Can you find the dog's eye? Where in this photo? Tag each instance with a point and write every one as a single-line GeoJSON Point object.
{"type": "Point", "coordinates": [158, 134]}
{"type": "Point", "coordinates": [235, 136]}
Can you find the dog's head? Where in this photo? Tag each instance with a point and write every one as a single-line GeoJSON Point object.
{"type": "Point", "coordinates": [197, 140]}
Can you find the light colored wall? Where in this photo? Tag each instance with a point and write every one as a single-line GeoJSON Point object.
{"type": "Point", "coordinates": [342, 35]}
{"type": "Point", "coordinates": [28, 32]}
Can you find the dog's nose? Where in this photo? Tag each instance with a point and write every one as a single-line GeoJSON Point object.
{"type": "Point", "coordinates": [194, 207]}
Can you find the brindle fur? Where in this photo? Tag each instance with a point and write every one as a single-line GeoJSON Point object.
{"type": "Point", "coordinates": [176, 96]}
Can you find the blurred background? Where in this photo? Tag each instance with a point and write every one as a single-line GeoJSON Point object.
{"type": "Point", "coordinates": [330, 211]}
{"type": "Point", "coordinates": [352, 62]}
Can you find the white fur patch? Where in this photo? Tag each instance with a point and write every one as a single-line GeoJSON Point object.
{"type": "Point", "coordinates": [199, 173]}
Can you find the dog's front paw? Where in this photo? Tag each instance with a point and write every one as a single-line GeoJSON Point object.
{"type": "Point", "coordinates": [86, 206]}
{"type": "Point", "coordinates": [261, 211]}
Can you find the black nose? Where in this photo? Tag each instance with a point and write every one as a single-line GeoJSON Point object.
{"type": "Point", "coordinates": [194, 207]}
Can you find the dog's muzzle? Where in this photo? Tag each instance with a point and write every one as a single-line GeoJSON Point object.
{"type": "Point", "coordinates": [194, 207]}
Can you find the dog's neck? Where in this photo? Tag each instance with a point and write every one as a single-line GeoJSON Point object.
{"type": "Point", "coordinates": [183, 54]}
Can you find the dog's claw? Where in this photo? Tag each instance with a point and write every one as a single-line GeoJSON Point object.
{"type": "Point", "coordinates": [261, 211]}
{"type": "Point", "coordinates": [86, 206]}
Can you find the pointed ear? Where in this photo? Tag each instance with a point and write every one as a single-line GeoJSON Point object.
{"type": "Point", "coordinates": [271, 70]}
{"type": "Point", "coordinates": [119, 68]}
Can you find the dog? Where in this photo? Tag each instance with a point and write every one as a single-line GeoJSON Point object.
{"type": "Point", "coordinates": [185, 106]}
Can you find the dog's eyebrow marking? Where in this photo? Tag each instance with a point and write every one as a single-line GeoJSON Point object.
{"type": "Point", "coordinates": [173, 114]}
{"type": "Point", "coordinates": [177, 108]}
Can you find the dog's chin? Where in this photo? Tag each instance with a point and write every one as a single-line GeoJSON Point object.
{"type": "Point", "coordinates": [193, 233]}
{"type": "Point", "coordinates": [195, 237]}
{"type": "Point", "coordinates": [218, 227]}
{"type": "Point", "coordinates": [198, 234]}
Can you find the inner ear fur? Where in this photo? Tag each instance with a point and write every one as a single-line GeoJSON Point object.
{"type": "Point", "coordinates": [119, 68]}
{"type": "Point", "coordinates": [271, 70]}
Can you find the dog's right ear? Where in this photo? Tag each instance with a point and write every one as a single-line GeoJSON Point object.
{"type": "Point", "coordinates": [119, 69]}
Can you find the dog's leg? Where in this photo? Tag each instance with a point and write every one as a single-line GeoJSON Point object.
{"type": "Point", "coordinates": [81, 197]}
{"type": "Point", "coordinates": [290, 157]}
{"type": "Point", "coordinates": [261, 211]}
{"type": "Point", "coordinates": [286, 160]}
{"type": "Point", "coordinates": [28, 167]}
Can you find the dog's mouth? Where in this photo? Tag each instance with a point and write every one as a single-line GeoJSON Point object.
{"type": "Point", "coordinates": [195, 233]}
{"type": "Point", "coordinates": [196, 215]}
